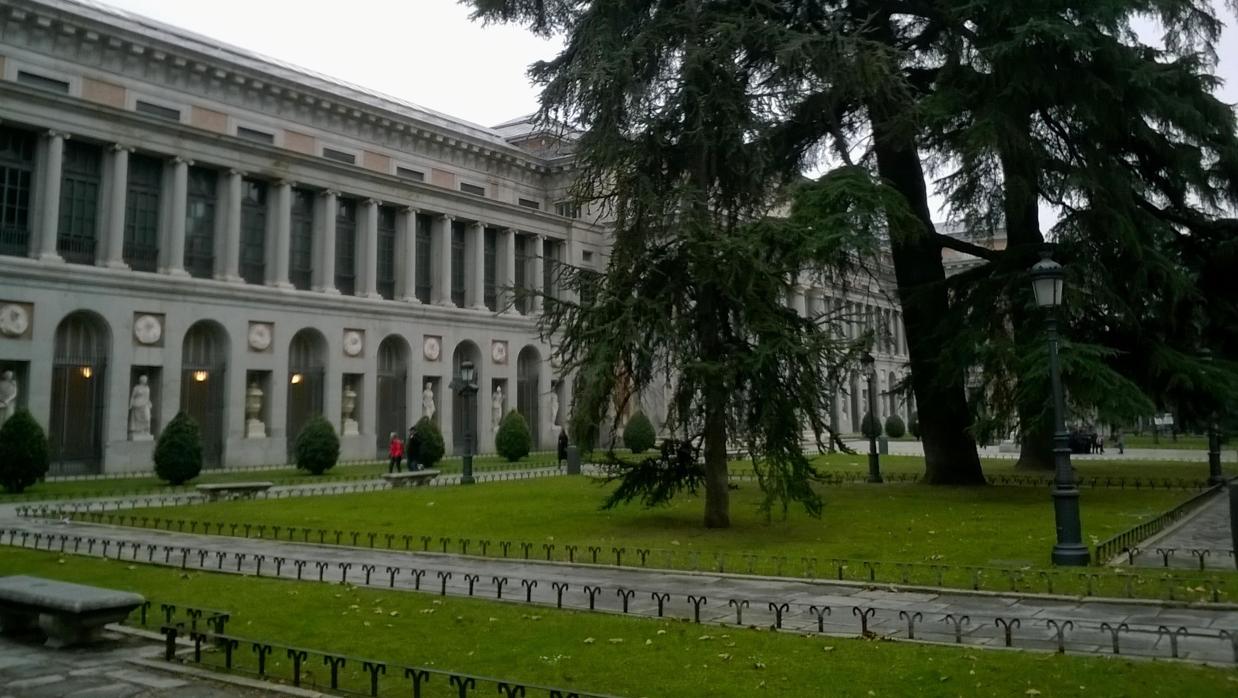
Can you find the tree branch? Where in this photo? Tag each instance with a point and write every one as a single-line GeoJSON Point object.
{"type": "Point", "coordinates": [953, 243]}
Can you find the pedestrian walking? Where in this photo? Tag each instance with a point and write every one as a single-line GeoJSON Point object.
{"type": "Point", "coordinates": [562, 446]}
{"type": "Point", "coordinates": [395, 450]}
{"type": "Point", "coordinates": [1121, 444]}
{"type": "Point", "coordinates": [413, 449]}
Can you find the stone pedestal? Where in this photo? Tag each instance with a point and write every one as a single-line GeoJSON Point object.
{"type": "Point", "coordinates": [351, 428]}
{"type": "Point", "coordinates": [255, 429]}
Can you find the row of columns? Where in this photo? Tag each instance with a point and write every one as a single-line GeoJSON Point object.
{"type": "Point", "coordinates": [279, 235]}
{"type": "Point", "coordinates": [857, 316]}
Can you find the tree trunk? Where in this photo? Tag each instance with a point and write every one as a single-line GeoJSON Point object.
{"type": "Point", "coordinates": [717, 493]}
{"type": "Point", "coordinates": [949, 449]}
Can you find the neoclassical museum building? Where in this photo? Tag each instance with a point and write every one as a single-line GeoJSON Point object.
{"type": "Point", "coordinates": [185, 225]}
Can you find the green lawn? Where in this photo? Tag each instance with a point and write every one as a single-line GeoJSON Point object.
{"type": "Point", "coordinates": [280, 476]}
{"type": "Point", "coordinates": [903, 522]}
{"type": "Point", "coordinates": [1084, 469]}
{"type": "Point", "coordinates": [607, 653]}
{"type": "Point", "coordinates": [1195, 442]}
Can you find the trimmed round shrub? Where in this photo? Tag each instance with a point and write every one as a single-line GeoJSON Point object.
{"type": "Point", "coordinates": [178, 453]}
{"type": "Point", "coordinates": [513, 441]}
{"type": "Point", "coordinates": [913, 425]}
{"type": "Point", "coordinates": [638, 434]}
{"type": "Point", "coordinates": [317, 448]}
{"type": "Point", "coordinates": [24, 457]}
{"type": "Point", "coordinates": [431, 449]}
{"type": "Point", "coordinates": [895, 427]}
{"type": "Point", "coordinates": [869, 426]}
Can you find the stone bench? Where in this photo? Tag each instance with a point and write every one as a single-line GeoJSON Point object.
{"type": "Point", "coordinates": [233, 490]}
{"type": "Point", "coordinates": [68, 614]}
{"type": "Point", "coordinates": [416, 478]}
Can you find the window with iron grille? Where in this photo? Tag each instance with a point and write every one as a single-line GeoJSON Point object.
{"type": "Point", "coordinates": [79, 202]}
{"type": "Point", "coordinates": [491, 292]}
{"type": "Point", "coordinates": [567, 209]}
{"type": "Point", "coordinates": [424, 281]}
{"type": "Point", "coordinates": [339, 156]}
{"type": "Point", "coordinates": [410, 173]}
{"type": "Point", "coordinates": [457, 263]}
{"type": "Point", "coordinates": [253, 134]}
{"type": "Point", "coordinates": [200, 223]}
{"type": "Point", "coordinates": [142, 211]}
{"type": "Point", "coordinates": [346, 247]}
{"type": "Point", "coordinates": [386, 252]}
{"type": "Point", "coordinates": [522, 274]}
{"type": "Point", "coordinates": [301, 241]}
{"type": "Point", "coordinates": [42, 82]}
{"type": "Point", "coordinates": [253, 231]}
{"type": "Point", "coordinates": [157, 110]}
{"type": "Point", "coordinates": [16, 170]}
{"type": "Point", "coordinates": [472, 189]}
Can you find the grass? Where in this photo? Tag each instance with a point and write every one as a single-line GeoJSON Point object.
{"type": "Point", "coordinates": [911, 523]}
{"type": "Point", "coordinates": [1186, 442]}
{"type": "Point", "coordinates": [609, 653]}
{"type": "Point", "coordinates": [281, 476]}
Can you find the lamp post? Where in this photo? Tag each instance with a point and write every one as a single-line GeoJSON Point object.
{"type": "Point", "coordinates": [465, 385]}
{"type": "Point", "coordinates": [1048, 280]}
{"type": "Point", "coordinates": [874, 461]}
{"type": "Point", "coordinates": [1214, 437]}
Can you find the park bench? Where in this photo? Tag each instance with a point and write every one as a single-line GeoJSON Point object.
{"type": "Point", "coordinates": [416, 478]}
{"type": "Point", "coordinates": [233, 490]}
{"type": "Point", "coordinates": [68, 614]}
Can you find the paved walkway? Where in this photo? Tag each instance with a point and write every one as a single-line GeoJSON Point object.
{"type": "Point", "coordinates": [916, 448]}
{"type": "Point", "coordinates": [1206, 534]}
{"type": "Point", "coordinates": [106, 670]}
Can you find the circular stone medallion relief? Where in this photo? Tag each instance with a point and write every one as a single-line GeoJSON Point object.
{"type": "Point", "coordinates": [259, 336]}
{"type": "Point", "coordinates": [14, 320]}
{"type": "Point", "coordinates": [353, 342]}
{"type": "Point", "coordinates": [498, 352]}
{"type": "Point", "coordinates": [147, 329]}
{"type": "Point", "coordinates": [431, 348]}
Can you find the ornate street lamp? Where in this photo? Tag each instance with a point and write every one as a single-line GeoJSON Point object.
{"type": "Point", "coordinates": [874, 461]}
{"type": "Point", "coordinates": [1048, 279]}
{"type": "Point", "coordinates": [465, 385]}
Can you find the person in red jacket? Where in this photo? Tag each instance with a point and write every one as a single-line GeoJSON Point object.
{"type": "Point", "coordinates": [396, 451]}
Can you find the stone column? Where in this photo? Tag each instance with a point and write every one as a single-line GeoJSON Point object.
{"type": "Point", "coordinates": [367, 262]}
{"type": "Point", "coordinates": [798, 301]}
{"type": "Point", "coordinates": [230, 268]}
{"type": "Point", "coordinates": [117, 189]}
{"type": "Point", "coordinates": [174, 260]}
{"type": "Point", "coordinates": [440, 273]}
{"type": "Point", "coordinates": [476, 277]}
{"type": "Point", "coordinates": [539, 271]}
{"type": "Point", "coordinates": [406, 244]}
{"type": "Point", "coordinates": [505, 271]}
{"type": "Point", "coordinates": [279, 238]}
{"type": "Point", "coordinates": [325, 225]}
{"type": "Point", "coordinates": [50, 223]}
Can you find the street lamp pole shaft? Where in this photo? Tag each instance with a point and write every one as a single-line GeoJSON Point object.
{"type": "Point", "coordinates": [1069, 549]}
{"type": "Point", "coordinates": [1215, 476]}
{"type": "Point", "coordinates": [466, 475]}
{"type": "Point", "coordinates": [874, 461]}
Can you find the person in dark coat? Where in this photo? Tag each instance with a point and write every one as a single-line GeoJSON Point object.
{"type": "Point", "coordinates": [412, 449]}
{"type": "Point", "coordinates": [562, 446]}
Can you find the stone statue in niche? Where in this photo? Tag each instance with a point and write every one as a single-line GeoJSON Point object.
{"type": "Point", "coordinates": [8, 396]}
{"type": "Point", "coordinates": [554, 406]}
{"type": "Point", "coordinates": [254, 428]}
{"type": "Point", "coordinates": [351, 428]}
{"type": "Point", "coordinates": [496, 408]}
{"type": "Point", "coordinates": [427, 401]}
{"type": "Point", "coordinates": [139, 411]}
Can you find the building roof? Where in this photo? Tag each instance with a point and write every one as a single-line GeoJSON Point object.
{"type": "Point", "coordinates": [207, 46]}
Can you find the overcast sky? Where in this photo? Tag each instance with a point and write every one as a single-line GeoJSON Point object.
{"type": "Point", "coordinates": [424, 51]}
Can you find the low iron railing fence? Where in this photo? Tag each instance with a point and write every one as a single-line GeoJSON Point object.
{"type": "Point", "coordinates": [1126, 540]}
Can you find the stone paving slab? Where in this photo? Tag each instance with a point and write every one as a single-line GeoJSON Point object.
{"type": "Point", "coordinates": [1206, 529]}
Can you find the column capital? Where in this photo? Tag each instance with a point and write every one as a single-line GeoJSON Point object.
{"type": "Point", "coordinates": [410, 210]}
{"type": "Point", "coordinates": [285, 183]}
{"type": "Point", "coordinates": [373, 202]}
{"type": "Point", "coordinates": [120, 148]}
{"type": "Point", "coordinates": [236, 173]}
{"type": "Point", "coordinates": [329, 193]}
{"type": "Point", "coordinates": [180, 160]}
{"type": "Point", "coordinates": [53, 133]}
{"type": "Point", "coordinates": [447, 217]}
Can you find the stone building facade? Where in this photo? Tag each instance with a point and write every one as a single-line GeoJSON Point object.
{"type": "Point", "coordinates": [190, 226]}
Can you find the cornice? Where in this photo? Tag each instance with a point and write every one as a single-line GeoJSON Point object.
{"type": "Point", "coordinates": [60, 24]}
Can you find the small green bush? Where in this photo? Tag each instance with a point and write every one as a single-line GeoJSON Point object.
{"type": "Point", "coordinates": [913, 425]}
{"type": "Point", "coordinates": [178, 453]}
{"type": "Point", "coordinates": [638, 434]}
{"type": "Point", "coordinates": [431, 449]}
{"type": "Point", "coordinates": [318, 447]}
{"type": "Point", "coordinates": [513, 441]}
{"type": "Point", "coordinates": [869, 426]}
{"type": "Point", "coordinates": [24, 457]}
{"type": "Point", "coordinates": [895, 427]}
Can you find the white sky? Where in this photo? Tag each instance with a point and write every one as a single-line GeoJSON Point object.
{"type": "Point", "coordinates": [425, 51]}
